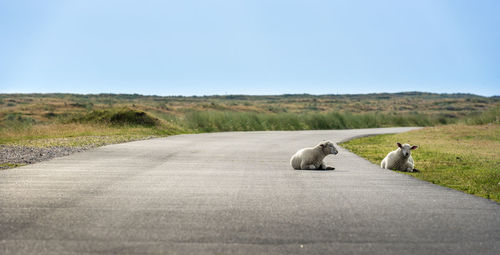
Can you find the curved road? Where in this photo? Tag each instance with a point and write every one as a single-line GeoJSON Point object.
{"type": "Point", "coordinates": [235, 193]}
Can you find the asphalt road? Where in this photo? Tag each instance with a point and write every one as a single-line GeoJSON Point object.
{"type": "Point", "coordinates": [235, 193]}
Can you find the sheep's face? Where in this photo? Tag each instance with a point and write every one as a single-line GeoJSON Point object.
{"type": "Point", "coordinates": [405, 149]}
{"type": "Point", "coordinates": [328, 147]}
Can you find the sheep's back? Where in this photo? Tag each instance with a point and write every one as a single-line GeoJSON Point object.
{"type": "Point", "coordinates": [296, 159]}
{"type": "Point", "coordinates": [306, 154]}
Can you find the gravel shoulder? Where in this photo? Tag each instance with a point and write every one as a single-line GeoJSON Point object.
{"type": "Point", "coordinates": [14, 155]}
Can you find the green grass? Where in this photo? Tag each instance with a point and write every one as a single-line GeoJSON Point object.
{"type": "Point", "coordinates": [213, 121]}
{"type": "Point", "coordinates": [461, 157]}
{"type": "Point", "coordinates": [9, 165]}
{"type": "Point", "coordinates": [490, 116]}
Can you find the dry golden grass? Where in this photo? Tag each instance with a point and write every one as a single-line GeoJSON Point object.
{"type": "Point", "coordinates": [36, 105]}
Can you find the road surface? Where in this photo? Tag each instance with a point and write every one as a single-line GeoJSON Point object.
{"type": "Point", "coordinates": [235, 193]}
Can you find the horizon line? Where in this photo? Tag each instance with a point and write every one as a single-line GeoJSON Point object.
{"type": "Point", "coordinates": [255, 95]}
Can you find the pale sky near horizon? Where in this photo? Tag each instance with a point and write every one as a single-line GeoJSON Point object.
{"type": "Point", "coordinates": [256, 47]}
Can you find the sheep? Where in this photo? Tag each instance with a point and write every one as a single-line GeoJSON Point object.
{"type": "Point", "coordinates": [312, 158]}
{"type": "Point", "coordinates": [400, 159]}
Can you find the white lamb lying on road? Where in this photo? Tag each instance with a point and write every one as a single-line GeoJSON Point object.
{"type": "Point", "coordinates": [312, 158]}
{"type": "Point", "coordinates": [400, 159]}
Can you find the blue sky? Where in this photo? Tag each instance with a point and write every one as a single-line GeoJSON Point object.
{"type": "Point", "coordinates": [249, 47]}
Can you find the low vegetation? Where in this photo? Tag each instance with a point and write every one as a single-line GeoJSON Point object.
{"type": "Point", "coordinates": [40, 116]}
{"type": "Point", "coordinates": [211, 121]}
{"type": "Point", "coordinates": [117, 117]}
{"type": "Point", "coordinates": [462, 157]}
{"type": "Point", "coordinates": [69, 119]}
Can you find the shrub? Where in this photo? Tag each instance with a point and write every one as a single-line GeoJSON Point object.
{"type": "Point", "coordinates": [17, 121]}
{"type": "Point", "coordinates": [119, 117]}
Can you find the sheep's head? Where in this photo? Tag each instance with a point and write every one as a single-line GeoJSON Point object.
{"type": "Point", "coordinates": [405, 149]}
{"type": "Point", "coordinates": [328, 148]}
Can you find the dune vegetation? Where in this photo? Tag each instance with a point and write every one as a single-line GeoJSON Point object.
{"type": "Point", "coordinates": [37, 118]}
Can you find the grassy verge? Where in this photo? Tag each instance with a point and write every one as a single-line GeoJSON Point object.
{"type": "Point", "coordinates": [95, 128]}
{"type": "Point", "coordinates": [462, 157]}
{"type": "Point", "coordinates": [9, 165]}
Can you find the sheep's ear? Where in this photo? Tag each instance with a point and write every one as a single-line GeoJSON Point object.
{"type": "Point", "coordinates": [399, 145]}
{"type": "Point", "coordinates": [413, 147]}
{"type": "Point", "coordinates": [322, 145]}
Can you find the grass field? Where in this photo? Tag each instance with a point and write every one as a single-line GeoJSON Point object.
{"type": "Point", "coordinates": [25, 118]}
{"type": "Point", "coordinates": [461, 157]}
{"type": "Point", "coordinates": [43, 120]}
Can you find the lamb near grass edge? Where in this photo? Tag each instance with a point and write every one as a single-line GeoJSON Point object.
{"type": "Point", "coordinates": [400, 159]}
